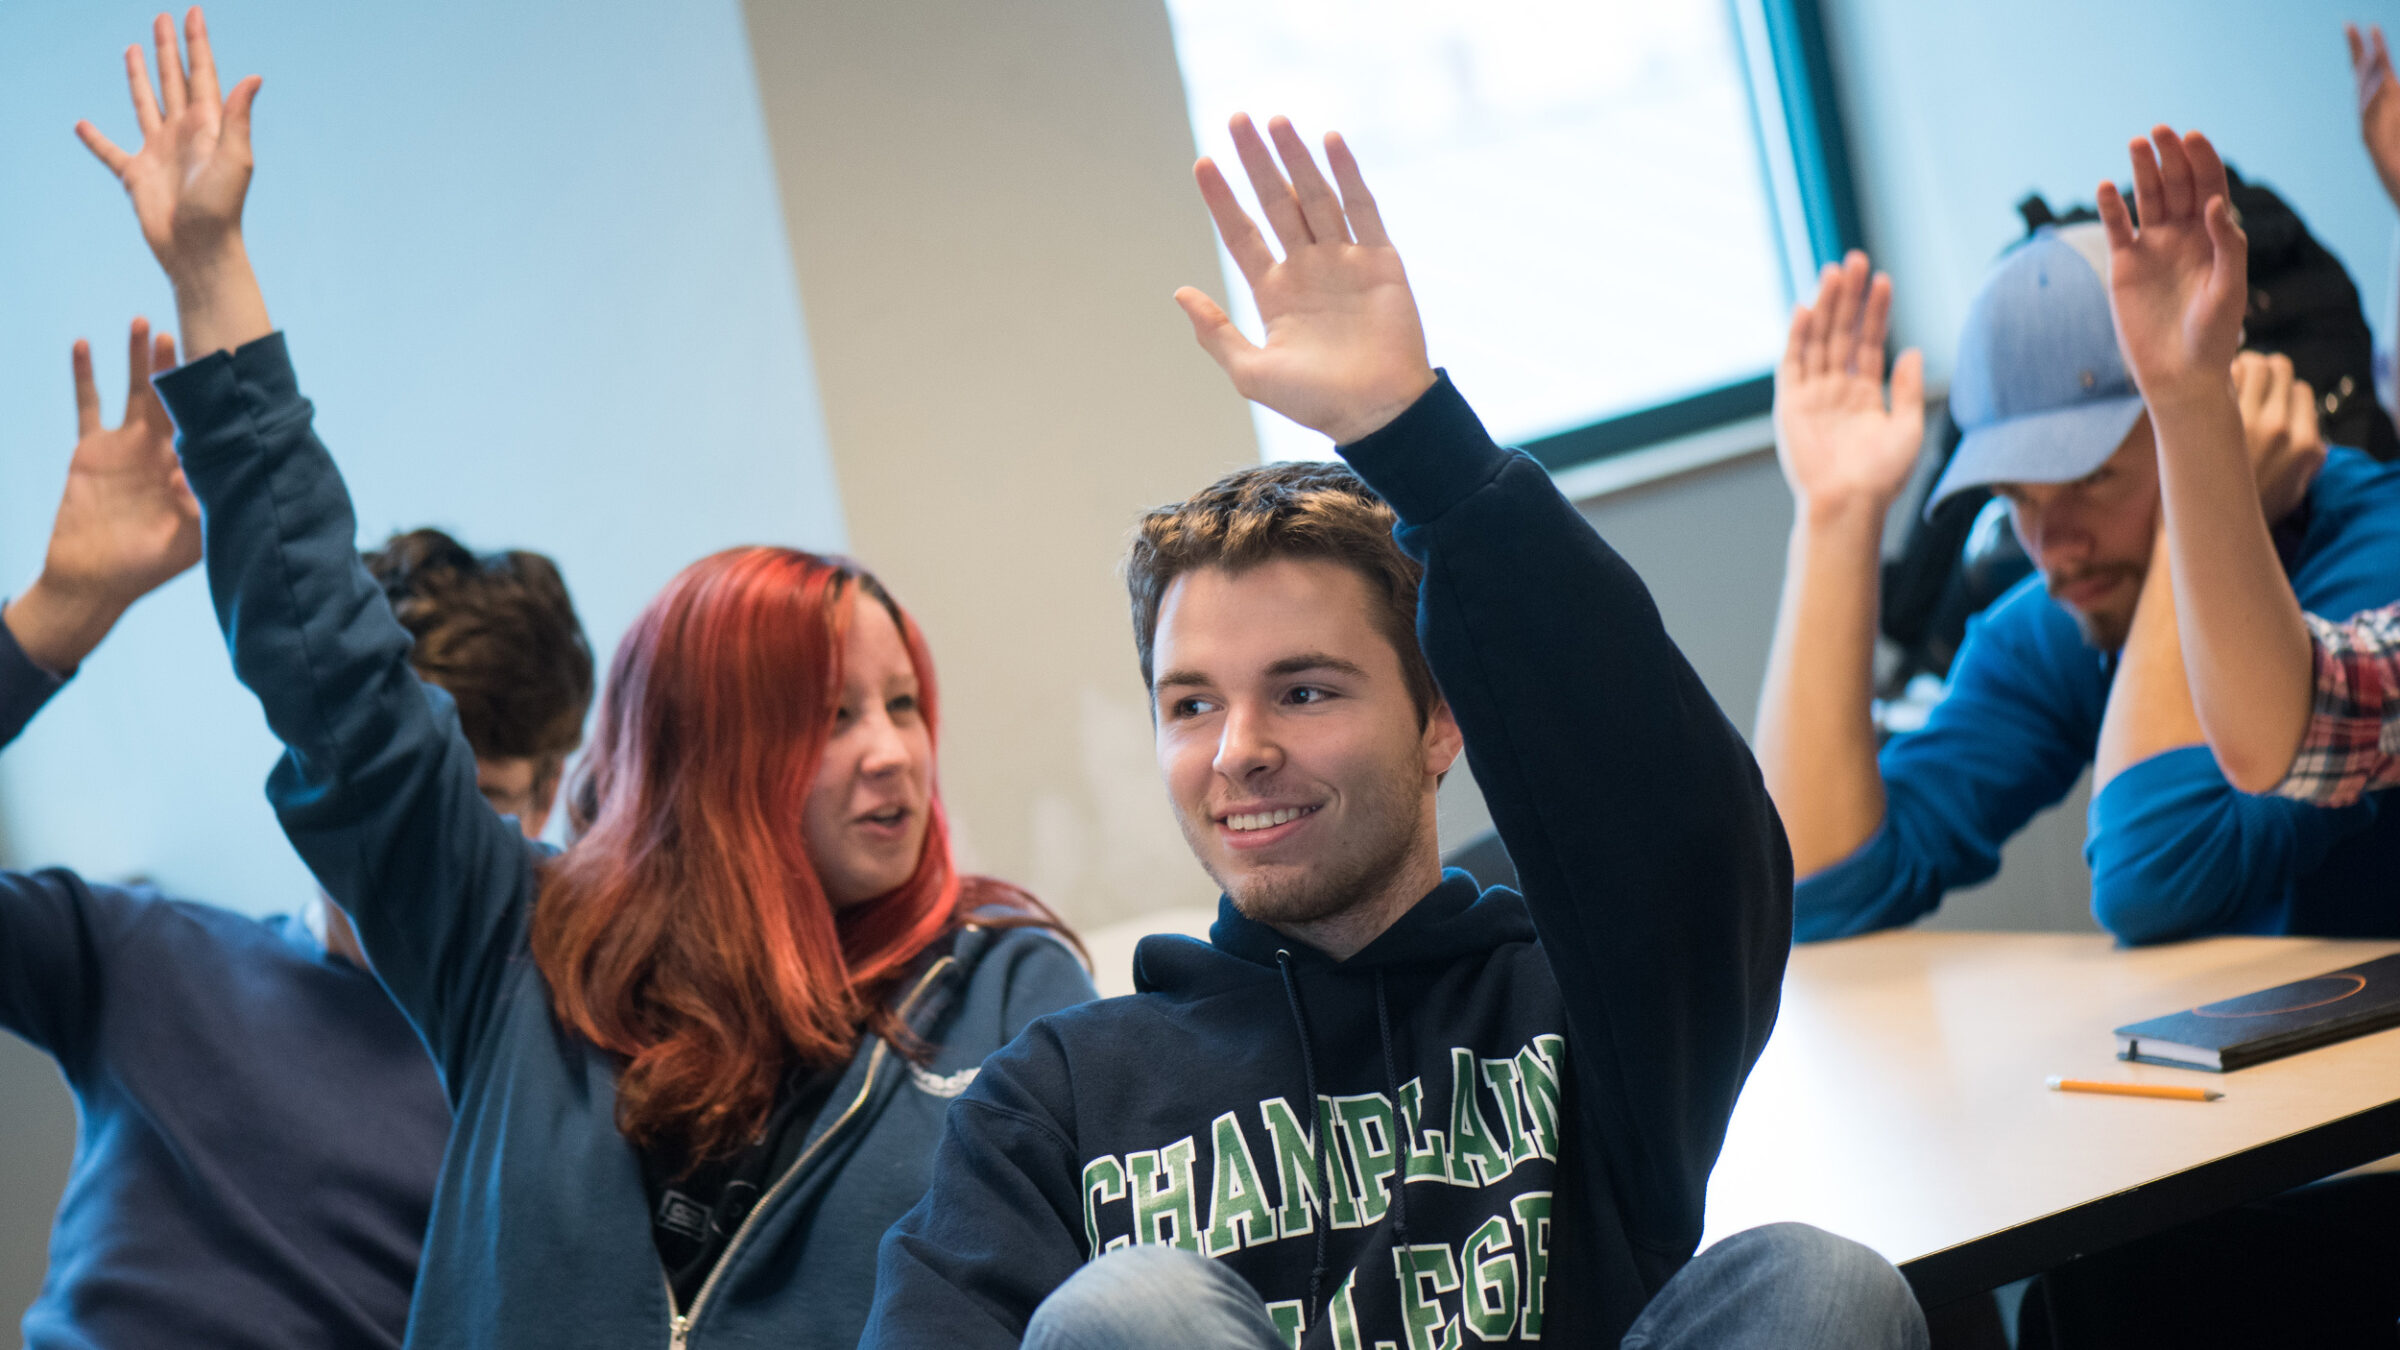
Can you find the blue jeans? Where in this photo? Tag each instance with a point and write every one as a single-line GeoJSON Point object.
{"type": "Point", "coordinates": [1786, 1286]}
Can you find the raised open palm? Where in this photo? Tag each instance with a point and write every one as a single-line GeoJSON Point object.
{"type": "Point", "coordinates": [127, 522]}
{"type": "Point", "coordinates": [1837, 436]}
{"type": "Point", "coordinates": [188, 180]}
{"type": "Point", "coordinates": [1344, 350]}
{"type": "Point", "coordinates": [2179, 283]}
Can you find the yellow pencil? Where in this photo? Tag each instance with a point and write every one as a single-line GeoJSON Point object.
{"type": "Point", "coordinates": [2180, 1094]}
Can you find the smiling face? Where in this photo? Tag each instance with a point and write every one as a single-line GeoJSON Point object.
{"type": "Point", "coordinates": [2092, 537]}
{"type": "Point", "coordinates": [1292, 749]}
{"type": "Point", "coordinates": [870, 802]}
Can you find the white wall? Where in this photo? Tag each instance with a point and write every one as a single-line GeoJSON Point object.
{"type": "Point", "coordinates": [1956, 111]}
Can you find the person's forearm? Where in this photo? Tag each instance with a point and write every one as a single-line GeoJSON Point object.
{"type": "Point", "coordinates": [2150, 702]}
{"type": "Point", "coordinates": [2243, 642]}
{"type": "Point", "coordinates": [218, 305]}
{"type": "Point", "coordinates": [58, 630]}
{"type": "Point", "coordinates": [1816, 736]}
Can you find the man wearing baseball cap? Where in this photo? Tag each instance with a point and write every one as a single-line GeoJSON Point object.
{"type": "Point", "coordinates": [2079, 665]}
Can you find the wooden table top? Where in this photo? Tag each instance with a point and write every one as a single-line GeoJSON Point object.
{"type": "Point", "coordinates": [1903, 1099]}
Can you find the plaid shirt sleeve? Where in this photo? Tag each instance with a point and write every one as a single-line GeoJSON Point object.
{"type": "Point", "coordinates": [2352, 744]}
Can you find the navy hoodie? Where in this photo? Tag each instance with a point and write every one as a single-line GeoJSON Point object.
{"type": "Point", "coordinates": [260, 1127]}
{"type": "Point", "coordinates": [1498, 1119]}
{"type": "Point", "coordinates": [541, 1229]}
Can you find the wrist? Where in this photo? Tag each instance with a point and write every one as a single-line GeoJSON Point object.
{"type": "Point", "coordinates": [1847, 511]}
{"type": "Point", "coordinates": [1380, 408]}
{"type": "Point", "coordinates": [57, 624]}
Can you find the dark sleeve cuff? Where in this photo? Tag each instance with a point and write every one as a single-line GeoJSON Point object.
{"type": "Point", "coordinates": [217, 400]}
{"type": "Point", "coordinates": [1431, 457]}
{"type": "Point", "coordinates": [24, 686]}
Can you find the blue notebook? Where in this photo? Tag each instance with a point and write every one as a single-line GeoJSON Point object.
{"type": "Point", "coordinates": [2271, 1023]}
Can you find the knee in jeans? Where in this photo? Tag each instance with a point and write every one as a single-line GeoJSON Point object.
{"type": "Point", "coordinates": [1127, 1297]}
{"type": "Point", "coordinates": [1833, 1269]}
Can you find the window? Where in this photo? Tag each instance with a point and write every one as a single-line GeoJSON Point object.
{"type": "Point", "coordinates": [1602, 202]}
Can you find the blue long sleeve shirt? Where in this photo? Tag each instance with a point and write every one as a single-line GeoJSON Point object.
{"type": "Point", "coordinates": [260, 1127]}
{"type": "Point", "coordinates": [2175, 850]}
{"type": "Point", "coordinates": [541, 1231]}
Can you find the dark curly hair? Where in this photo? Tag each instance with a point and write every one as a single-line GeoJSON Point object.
{"type": "Point", "coordinates": [499, 633]}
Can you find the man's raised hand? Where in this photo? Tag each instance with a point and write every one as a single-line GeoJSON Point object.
{"type": "Point", "coordinates": [187, 184]}
{"type": "Point", "coordinates": [126, 524]}
{"type": "Point", "coordinates": [1344, 351]}
{"type": "Point", "coordinates": [2178, 284]}
{"type": "Point", "coordinates": [1839, 441]}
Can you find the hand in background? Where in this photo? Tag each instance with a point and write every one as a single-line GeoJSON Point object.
{"type": "Point", "coordinates": [187, 184]}
{"type": "Point", "coordinates": [1344, 351]}
{"type": "Point", "coordinates": [1838, 440]}
{"type": "Point", "coordinates": [2178, 284]}
{"type": "Point", "coordinates": [2378, 104]}
{"type": "Point", "coordinates": [2279, 421]}
{"type": "Point", "coordinates": [126, 523]}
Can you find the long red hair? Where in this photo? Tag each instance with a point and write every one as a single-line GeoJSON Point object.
{"type": "Point", "coordinates": [685, 930]}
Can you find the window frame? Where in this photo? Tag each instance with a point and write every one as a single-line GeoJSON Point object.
{"type": "Point", "coordinates": [1796, 122]}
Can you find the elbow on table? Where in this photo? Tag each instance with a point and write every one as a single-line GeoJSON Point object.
{"type": "Point", "coordinates": [2160, 896]}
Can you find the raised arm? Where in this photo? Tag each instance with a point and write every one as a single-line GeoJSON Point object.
{"type": "Point", "coordinates": [126, 525]}
{"type": "Point", "coordinates": [1650, 856]}
{"type": "Point", "coordinates": [187, 184]}
{"type": "Point", "coordinates": [1846, 453]}
{"type": "Point", "coordinates": [377, 786]}
{"type": "Point", "coordinates": [2178, 286]}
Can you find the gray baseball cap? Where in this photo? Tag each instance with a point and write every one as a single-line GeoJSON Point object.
{"type": "Point", "coordinates": [2040, 388]}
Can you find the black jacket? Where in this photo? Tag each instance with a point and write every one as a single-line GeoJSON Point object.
{"type": "Point", "coordinates": [1551, 1072]}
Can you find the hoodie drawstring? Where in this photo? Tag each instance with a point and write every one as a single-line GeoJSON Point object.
{"type": "Point", "coordinates": [1308, 1071]}
{"type": "Point", "coordinates": [1403, 1144]}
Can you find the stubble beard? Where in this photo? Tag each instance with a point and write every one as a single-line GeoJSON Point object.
{"type": "Point", "coordinates": [1352, 877]}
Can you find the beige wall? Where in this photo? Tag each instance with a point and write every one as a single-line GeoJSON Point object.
{"type": "Point", "coordinates": [989, 206]}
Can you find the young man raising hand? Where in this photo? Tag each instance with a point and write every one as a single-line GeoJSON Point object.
{"type": "Point", "coordinates": [1379, 1107]}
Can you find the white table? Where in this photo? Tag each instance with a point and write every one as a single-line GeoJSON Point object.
{"type": "Point", "coordinates": [1902, 1101]}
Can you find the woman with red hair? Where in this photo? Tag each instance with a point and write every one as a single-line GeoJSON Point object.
{"type": "Point", "coordinates": [699, 1060]}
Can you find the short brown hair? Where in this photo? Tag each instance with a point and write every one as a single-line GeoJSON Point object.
{"type": "Point", "coordinates": [499, 634]}
{"type": "Point", "coordinates": [1316, 510]}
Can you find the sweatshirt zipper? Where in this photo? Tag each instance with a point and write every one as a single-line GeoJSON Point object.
{"type": "Point", "coordinates": [680, 1330]}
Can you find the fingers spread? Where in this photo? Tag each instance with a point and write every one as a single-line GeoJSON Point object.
{"type": "Point", "coordinates": [137, 84]}
{"type": "Point", "coordinates": [1841, 339]}
{"type": "Point", "coordinates": [1234, 226]}
{"type": "Point", "coordinates": [237, 110]}
{"type": "Point", "coordinates": [162, 358]}
{"type": "Point", "coordinates": [2149, 194]}
{"type": "Point", "coordinates": [87, 392]}
{"type": "Point", "coordinates": [204, 62]}
{"type": "Point", "coordinates": [102, 148]}
{"type": "Point", "coordinates": [2208, 168]}
{"type": "Point", "coordinates": [1366, 222]}
{"type": "Point", "coordinates": [174, 95]}
{"type": "Point", "coordinates": [1216, 332]}
{"type": "Point", "coordinates": [1795, 342]}
{"type": "Point", "coordinates": [1908, 383]}
{"type": "Point", "coordinates": [1274, 194]}
{"type": "Point", "coordinates": [2358, 49]}
{"type": "Point", "coordinates": [1875, 328]}
{"type": "Point", "coordinates": [2174, 172]}
{"type": "Point", "coordinates": [137, 365]}
{"type": "Point", "coordinates": [2114, 218]}
{"type": "Point", "coordinates": [1318, 205]}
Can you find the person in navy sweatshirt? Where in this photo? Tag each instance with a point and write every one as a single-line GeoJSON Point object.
{"type": "Point", "coordinates": [1380, 1106]}
{"type": "Point", "coordinates": [261, 1128]}
{"type": "Point", "coordinates": [699, 1059]}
